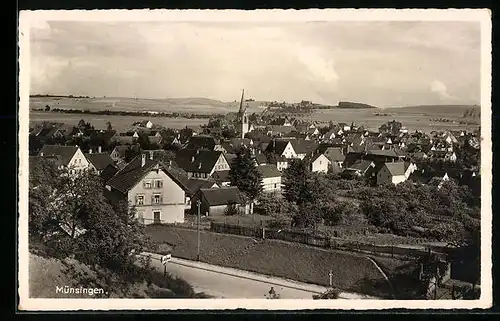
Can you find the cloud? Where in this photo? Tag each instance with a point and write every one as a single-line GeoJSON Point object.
{"type": "Point", "coordinates": [440, 88]}
{"type": "Point", "coordinates": [320, 68]}
{"type": "Point", "coordinates": [381, 63]}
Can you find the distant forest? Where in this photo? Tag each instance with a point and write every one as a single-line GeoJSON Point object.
{"type": "Point", "coordinates": [127, 113]}
{"type": "Point", "coordinates": [348, 104]}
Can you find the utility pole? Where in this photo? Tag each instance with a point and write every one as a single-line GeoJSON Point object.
{"type": "Point", "coordinates": [198, 202]}
{"type": "Point", "coordinates": [330, 274]}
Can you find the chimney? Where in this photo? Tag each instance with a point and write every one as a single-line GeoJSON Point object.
{"type": "Point", "coordinates": [151, 155]}
{"type": "Point", "coordinates": [192, 159]}
{"type": "Point", "coordinates": [99, 149]}
{"type": "Point", "coordinates": [41, 154]}
{"type": "Point", "coordinates": [90, 151]}
{"type": "Point", "coordinates": [169, 163]}
{"type": "Point", "coordinates": [143, 160]}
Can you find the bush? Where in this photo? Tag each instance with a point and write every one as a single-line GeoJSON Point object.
{"type": "Point", "coordinates": [231, 209]}
{"type": "Point", "coordinates": [328, 295]}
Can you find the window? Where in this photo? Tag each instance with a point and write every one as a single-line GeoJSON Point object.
{"type": "Point", "coordinates": [158, 184]}
{"type": "Point", "coordinates": [147, 184]}
{"type": "Point", "coordinates": [275, 185]}
{"type": "Point", "coordinates": [140, 200]}
{"type": "Point", "coordinates": [157, 216]}
{"type": "Point", "coordinates": [157, 199]}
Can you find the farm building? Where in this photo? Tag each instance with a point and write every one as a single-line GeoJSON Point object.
{"type": "Point", "coordinates": [215, 201]}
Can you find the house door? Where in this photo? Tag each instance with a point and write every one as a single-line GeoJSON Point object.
{"type": "Point", "coordinates": [157, 216]}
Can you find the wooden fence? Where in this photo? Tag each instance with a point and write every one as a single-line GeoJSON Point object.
{"type": "Point", "coordinates": [323, 241]}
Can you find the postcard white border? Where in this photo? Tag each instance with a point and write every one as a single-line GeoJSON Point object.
{"type": "Point", "coordinates": [480, 15]}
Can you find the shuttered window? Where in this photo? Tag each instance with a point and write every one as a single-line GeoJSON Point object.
{"type": "Point", "coordinates": [157, 199]}
{"type": "Point", "coordinates": [159, 183]}
{"type": "Point", "coordinates": [139, 200]}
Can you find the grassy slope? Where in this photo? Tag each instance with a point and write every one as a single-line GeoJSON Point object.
{"type": "Point", "coordinates": [282, 259]}
{"type": "Point", "coordinates": [45, 273]}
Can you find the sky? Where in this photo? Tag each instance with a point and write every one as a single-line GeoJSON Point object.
{"type": "Point", "coordinates": [385, 64]}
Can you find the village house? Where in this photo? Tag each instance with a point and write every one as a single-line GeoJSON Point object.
{"type": "Point", "coordinates": [444, 155]}
{"type": "Point", "coordinates": [215, 201]}
{"type": "Point", "coordinates": [145, 123]}
{"type": "Point", "coordinates": [345, 127]}
{"type": "Point", "coordinates": [280, 131]}
{"type": "Point", "coordinates": [197, 142]}
{"type": "Point", "coordinates": [281, 148]}
{"type": "Point", "coordinates": [354, 139]}
{"type": "Point", "coordinates": [281, 163]}
{"type": "Point", "coordinates": [171, 140]}
{"type": "Point", "coordinates": [109, 171]}
{"type": "Point", "coordinates": [231, 145]}
{"type": "Point", "coordinates": [119, 153]}
{"type": "Point", "coordinates": [147, 184]}
{"type": "Point", "coordinates": [336, 158]}
{"type": "Point", "coordinates": [281, 121]}
{"type": "Point", "coordinates": [49, 131]}
{"type": "Point", "coordinates": [201, 163]}
{"type": "Point", "coordinates": [303, 147]}
{"type": "Point", "coordinates": [99, 161]}
{"type": "Point", "coordinates": [395, 172]}
{"type": "Point", "coordinates": [70, 157]}
{"type": "Point", "coordinates": [260, 158]}
{"type": "Point", "coordinates": [271, 178]}
{"type": "Point", "coordinates": [319, 163]}
{"type": "Point", "coordinates": [360, 168]}
{"type": "Point", "coordinates": [130, 133]}
{"type": "Point", "coordinates": [193, 185]}
{"type": "Point", "coordinates": [403, 130]}
{"type": "Point", "coordinates": [333, 133]}
{"type": "Point", "coordinates": [388, 155]}
{"type": "Point", "coordinates": [222, 178]}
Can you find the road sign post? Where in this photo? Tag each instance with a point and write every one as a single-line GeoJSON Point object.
{"type": "Point", "coordinates": [330, 274]}
{"type": "Point", "coordinates": [164, 260]}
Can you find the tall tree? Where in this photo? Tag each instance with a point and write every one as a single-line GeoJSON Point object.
{"type": "Point", "coordinates": [71, 214]}
{"type": "Point", "coordinates": [297, 179]}
{"type": "Point", "coordinates": [245, 175]}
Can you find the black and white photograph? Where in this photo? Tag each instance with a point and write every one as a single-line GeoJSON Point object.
{"type": "Point", "coordinates": [269, 159]}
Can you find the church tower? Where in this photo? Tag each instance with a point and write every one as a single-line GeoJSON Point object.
{"type": "Point", "coordinates": [243, 117]}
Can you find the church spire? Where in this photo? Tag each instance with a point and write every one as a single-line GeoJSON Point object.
{"type": "Point", "coordinates": [241, 111]}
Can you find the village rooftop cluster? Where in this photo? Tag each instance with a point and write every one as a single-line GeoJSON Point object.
{"type": "Point", "coordinates": [138, 165]}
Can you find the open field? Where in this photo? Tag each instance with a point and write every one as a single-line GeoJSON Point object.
{"type": "Point", "coordinates": [413, 118]}
{"type": "Point", "coordinates": [119, 123]}
{"type": "Point", "coordinates": [368, 119]}
{"type": "Point", "coordinates": [171, 105]}
{"type": "Point", "coordinates": [282, 259]}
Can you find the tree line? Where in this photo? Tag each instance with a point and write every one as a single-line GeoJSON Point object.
{"type": "Point", "coordinates": [126, 113]}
